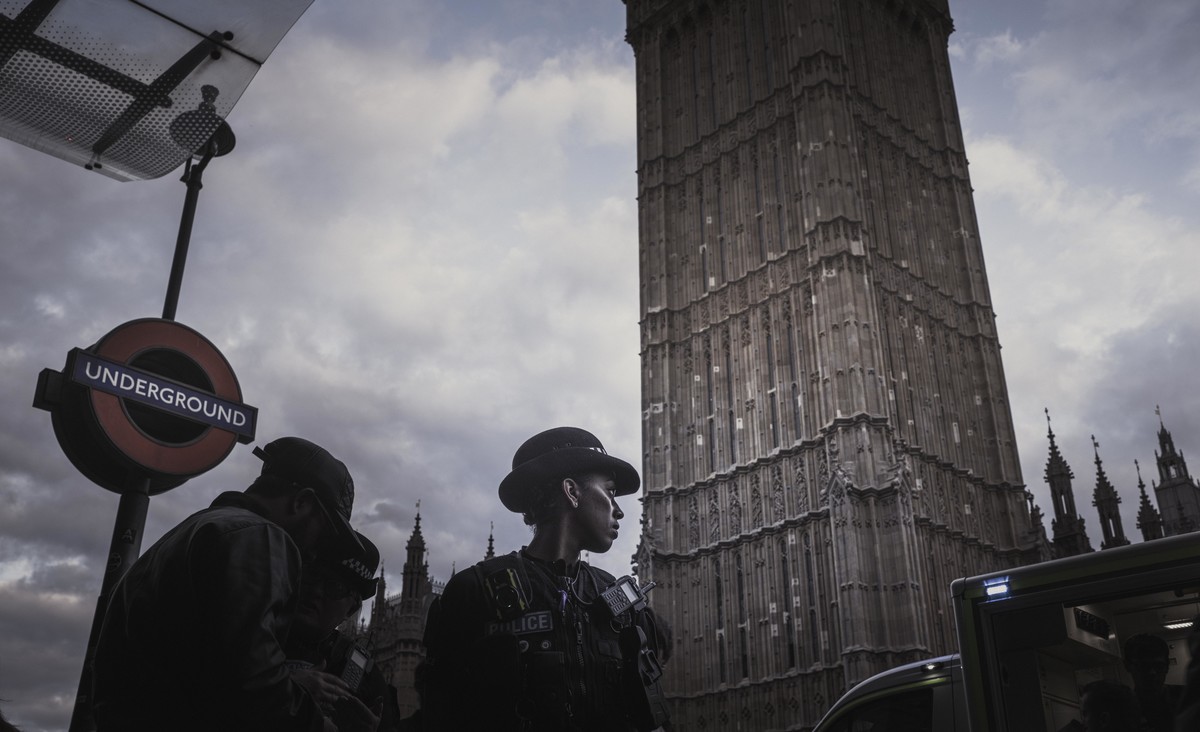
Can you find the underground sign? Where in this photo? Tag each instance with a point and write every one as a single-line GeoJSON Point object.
{"type": "Point", "coordinates": [152, 402]}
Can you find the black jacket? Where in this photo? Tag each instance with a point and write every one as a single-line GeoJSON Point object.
{"type": "Point", "coordinates": [193, 637]}
{"type": "Point", "coordinates": [557, 665]}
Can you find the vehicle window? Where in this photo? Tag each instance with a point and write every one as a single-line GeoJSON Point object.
{"type": "Point", "coordinates": [910, 711]}
{"type": "Point", "coordinates": [1130, 649]}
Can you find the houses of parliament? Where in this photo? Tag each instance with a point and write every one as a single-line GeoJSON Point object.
{"type": "Point", "coordinates": [826, 428]}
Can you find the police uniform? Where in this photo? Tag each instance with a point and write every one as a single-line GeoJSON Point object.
{"type": "Point", "coordinates": [551, 661]}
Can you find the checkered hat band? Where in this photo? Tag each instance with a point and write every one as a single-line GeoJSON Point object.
{"type": "Point", "coordinates": [359, 568]}
{"type": "Point", "coordinates": [593, 448]}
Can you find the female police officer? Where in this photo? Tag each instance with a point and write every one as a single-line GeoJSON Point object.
{"type": "Point", "coordinates": [532, 640]}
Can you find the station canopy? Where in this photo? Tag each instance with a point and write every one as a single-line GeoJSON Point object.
{"type": "Point", "coordinates": [129, 88]}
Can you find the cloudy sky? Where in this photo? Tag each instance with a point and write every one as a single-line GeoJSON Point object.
{"type": "Point", "coordinates": [424, 249]}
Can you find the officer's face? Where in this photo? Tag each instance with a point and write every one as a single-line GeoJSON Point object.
{"type": "Point", "coordinates": [1149, 672]}
{"type": "Point", "coordinates": [597, 519]}
{"type": "Point", "coordinates": [325, 601]}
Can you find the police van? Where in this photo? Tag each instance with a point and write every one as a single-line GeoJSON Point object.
{"type": "Point", "coordinates": [1031, 638]}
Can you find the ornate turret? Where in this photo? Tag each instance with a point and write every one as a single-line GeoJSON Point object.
{"type": "Point", "coordinates": [1070, 537]}
{"type": "Point", "coordinates": [1177, 494]}
{"type": "Point", "coordinates": [398, 621]}
{"type": "Point", "coordinates": [1148, 519]}
{"type": "Point", "coordinates": [416, 568]}
{"type": "Point", "coordinates": [1106, 500]}
{"type": "Point", "coordinates": [381, 587]}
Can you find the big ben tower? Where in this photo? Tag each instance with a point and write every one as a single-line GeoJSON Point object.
{"type": "Point", "coordinates": [827, 437]}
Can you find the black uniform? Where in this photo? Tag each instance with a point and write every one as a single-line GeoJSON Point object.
{"type": "Point", "coordinates": [554, 664]}
{"type": "Point", "coordinates": [191, 639]}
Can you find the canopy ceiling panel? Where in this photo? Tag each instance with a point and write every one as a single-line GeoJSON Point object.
{"type": "Point", "coordinates": [107, 83]}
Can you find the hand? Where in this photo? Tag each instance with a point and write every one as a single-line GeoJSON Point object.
{"type": "Point", "coordinates": [354, 716]}
{"type": "Point", "coordinates": [324, 687]}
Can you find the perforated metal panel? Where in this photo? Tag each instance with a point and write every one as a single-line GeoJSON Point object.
{"type": "Point", "coordinates": [100, 82]}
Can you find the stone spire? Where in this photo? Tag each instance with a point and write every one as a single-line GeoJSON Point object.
{"type": "Point", "coordinates": [416, 567]}
{"type": "Point", "coordinates": [1106, 501]}
{"type": "Point", "coordinates": [491, 552]}
{"type": "Point", "coordinates": [1148, 519]}
{"type": "Point", "coordinates": [379, 607]}
{"type": "Point", "coordinates": [1177, 494]}
{"type": "Point", "coordinates": [1070, 537]}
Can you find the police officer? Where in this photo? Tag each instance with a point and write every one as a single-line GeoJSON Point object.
{"type": "Point", "coordinates": [336, 668]}
{"type": "Point", "coordinates": [528, 641]}
{"type": "Point", "coordinates": [191, 641]}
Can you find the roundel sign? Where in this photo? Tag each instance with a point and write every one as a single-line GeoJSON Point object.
{"type": "Point", "coordinates": [152, 403]}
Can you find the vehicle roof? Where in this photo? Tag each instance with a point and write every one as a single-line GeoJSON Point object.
{"type": "Point", "coordinates": [1180, 549]}
{"type": "Point", "coordinates": [909, 673]}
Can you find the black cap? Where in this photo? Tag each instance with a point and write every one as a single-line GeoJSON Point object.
{"type": "Point", "coordinates": [311, 466]}
{"type": "Point", "coordinates": [561, 452]}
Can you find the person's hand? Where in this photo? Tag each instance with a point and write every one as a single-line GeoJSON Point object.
{"type": "Point", "coordinates": [325, 688]}
{"type": "Point", "coordinates": [354, 716]}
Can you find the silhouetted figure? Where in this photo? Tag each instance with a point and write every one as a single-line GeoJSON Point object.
{"type": "Point", "coordinates": [1107, 706]}
{"type": "Point", "coordinates": [1187, 713]}
{"type": "Point", "coordinates": [1147, 658]}
{"type": "Point", "coordinates": [192, 640]}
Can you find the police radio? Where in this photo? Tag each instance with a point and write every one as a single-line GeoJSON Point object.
{"type": "Point", "coordinates": [624, 594]}
{"type": "Point", "coordinates": [357, 666]}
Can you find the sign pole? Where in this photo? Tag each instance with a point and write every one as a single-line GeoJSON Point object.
{"type": "Point", "coordinates": [123, 550]}
{"type": "Point", "coordinates": [191, 177]}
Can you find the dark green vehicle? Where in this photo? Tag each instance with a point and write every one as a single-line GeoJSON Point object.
{"type": "Point", "coordinates": [1032, 638]}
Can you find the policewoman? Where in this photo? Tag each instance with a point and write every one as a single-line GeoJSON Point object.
{"type": "Point", "coordinates": [539, 640]}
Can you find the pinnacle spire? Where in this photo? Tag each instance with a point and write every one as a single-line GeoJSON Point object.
{"type": "Point", "coordinates": [1149, 521]}
{"type": "Point", "coordinates": [1070, 536]}
{"type": "Point", "coordinates": [1106, 500]}
{"type": "Point", "coordinates": [416, 563]}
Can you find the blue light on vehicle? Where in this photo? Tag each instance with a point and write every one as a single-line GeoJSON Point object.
{"type": "Point", "coordinates": [996, 587]}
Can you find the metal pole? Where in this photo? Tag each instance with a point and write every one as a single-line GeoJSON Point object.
{"type": "Point", "coordinates": [123, 550]}
{"type": "Point", "coordinates": [191, 177]}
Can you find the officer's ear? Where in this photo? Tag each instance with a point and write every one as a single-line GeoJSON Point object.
{"type": "Point", "coordinates": [571, 491]}
{"type": "Point", "coordinates": [305, 502]}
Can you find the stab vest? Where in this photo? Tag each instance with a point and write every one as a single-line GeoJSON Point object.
{"type": "Point", "coordinates": [568, 655]}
